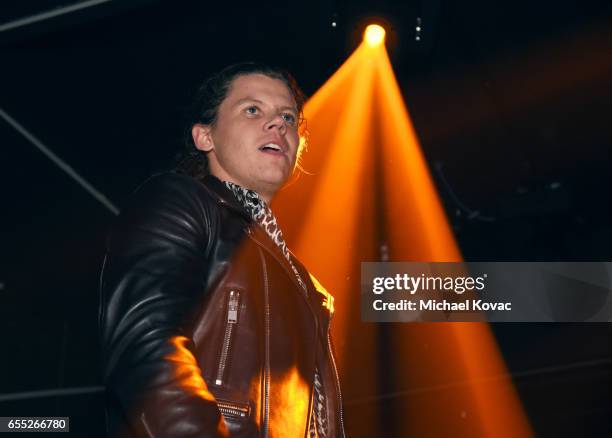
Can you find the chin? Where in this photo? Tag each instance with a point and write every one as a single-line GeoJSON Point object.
{"type": "Point", "coordinates": [275, 182]}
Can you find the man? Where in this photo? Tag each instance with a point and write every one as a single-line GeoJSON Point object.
{"type": "Point", "coordinates": [210, 327]}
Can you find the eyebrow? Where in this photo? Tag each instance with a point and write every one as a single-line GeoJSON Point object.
{"type": "Point", "coordinates": [252, 99]}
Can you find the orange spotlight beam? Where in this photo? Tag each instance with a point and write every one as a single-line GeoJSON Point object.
{"type": "Point", "coordinates": [357, 113]}
{"type": "Point", "coordinates": [421, 233]}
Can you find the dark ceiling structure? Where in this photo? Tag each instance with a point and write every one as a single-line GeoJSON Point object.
{"type": "Point", "coordinates": [511, 101]}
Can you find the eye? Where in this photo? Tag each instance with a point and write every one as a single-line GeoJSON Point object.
{"type": "Point", "coordinates": [289, 118]}
{"type": "Point", "coordinates": [251, 110]}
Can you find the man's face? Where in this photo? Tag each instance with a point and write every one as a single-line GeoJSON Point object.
{"type": "Point", "coordinates": [255, 140]}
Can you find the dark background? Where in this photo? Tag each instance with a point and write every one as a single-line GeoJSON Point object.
{"type": "Point", "coordinates": [512, 102]}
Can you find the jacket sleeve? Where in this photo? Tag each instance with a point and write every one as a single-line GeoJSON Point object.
{"type": "Point", "coordinates": [152, 282]}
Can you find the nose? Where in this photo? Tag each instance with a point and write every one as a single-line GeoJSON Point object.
{"type": "Point", "coordinates": [278, 123]}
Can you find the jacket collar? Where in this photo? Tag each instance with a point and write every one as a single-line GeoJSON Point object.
{"type": "Point", "coordinates": [224, 196]}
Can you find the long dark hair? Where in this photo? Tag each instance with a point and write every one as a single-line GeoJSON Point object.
{"type": "Point", "coordinates": [205, 109]}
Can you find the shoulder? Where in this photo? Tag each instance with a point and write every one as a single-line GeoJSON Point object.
{"type": "Point", "coordinates": [168, 203]}
{"type": "Point", "coordinates": [171, 191]}
{"type": "Point", "coordinates": [172, 186]}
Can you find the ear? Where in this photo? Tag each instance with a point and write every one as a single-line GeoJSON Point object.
{"type": "Point", "coordinates": [202, 137]}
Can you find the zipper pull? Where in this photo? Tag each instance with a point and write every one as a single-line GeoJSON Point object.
{"type": "Point", "coordinates": [232, 307]}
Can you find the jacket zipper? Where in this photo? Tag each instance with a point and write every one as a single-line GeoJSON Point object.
{"type": "Point", "coordinates": [232, 409]}
{"type": "Point", "coordinates": [232, 318]}
{"type": "Point", "coordinates": [266, 402]}
{"type": "Point", "coordinates": [337, 381]}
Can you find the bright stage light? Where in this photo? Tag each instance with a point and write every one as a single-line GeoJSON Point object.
{"type": "Point", "coordinates": [374, 35]}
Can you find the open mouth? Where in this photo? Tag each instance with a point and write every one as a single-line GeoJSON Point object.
{"type": "Point", "coordinates": [272, 148]}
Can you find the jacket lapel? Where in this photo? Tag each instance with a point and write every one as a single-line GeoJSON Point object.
{"type": "Point", "coordinates": [259, 236]}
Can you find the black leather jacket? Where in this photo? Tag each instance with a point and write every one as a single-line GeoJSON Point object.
{"type": "Point", "coordinates": [201, 315]}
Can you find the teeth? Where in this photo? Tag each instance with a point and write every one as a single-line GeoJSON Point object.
{"type": "Point", "coordinates": [271, 146]}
